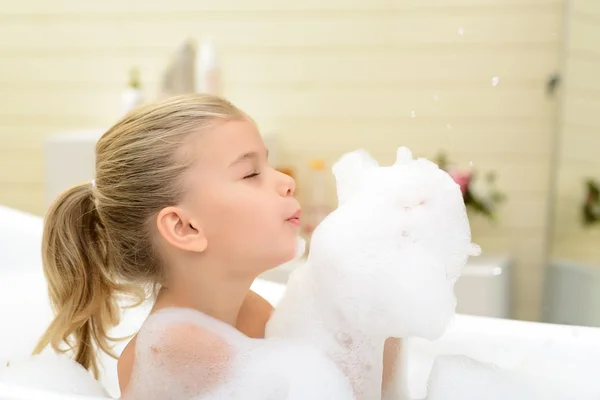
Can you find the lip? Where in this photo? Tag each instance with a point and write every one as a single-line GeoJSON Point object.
{"type": "Point", "coordinates": [295, 218]}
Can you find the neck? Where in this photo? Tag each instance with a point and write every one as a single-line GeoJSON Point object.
{"type": "Point", "coordinates": [211, 292]}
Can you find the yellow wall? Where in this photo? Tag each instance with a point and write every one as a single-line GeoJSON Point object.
{"type": "Point", "coordinates": [579, 139]}
{"type": "Point", "coordinates": [330, 75]}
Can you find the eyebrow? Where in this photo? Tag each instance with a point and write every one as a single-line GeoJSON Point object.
{"type": "Point", "coordinates": [247, 156]}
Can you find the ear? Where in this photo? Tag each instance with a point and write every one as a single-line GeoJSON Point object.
{"type": "Point", "coordinates": [180, 230]}
{"type": "Point", "coordinates": [348, 172]}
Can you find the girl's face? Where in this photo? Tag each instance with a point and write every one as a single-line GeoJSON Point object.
{"type": "Point", "coordinates": [246, 209]}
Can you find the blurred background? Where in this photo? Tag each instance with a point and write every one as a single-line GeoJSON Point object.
{"type": "Point", "coordinates": [502, 93]}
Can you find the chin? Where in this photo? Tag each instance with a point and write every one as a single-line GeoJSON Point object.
{"type": "Point", "coordinates": [286, 257]}
{"type": "Point", "coordinates": [275, 260]}
{"type": "Point", "coordinates": [292, 249]}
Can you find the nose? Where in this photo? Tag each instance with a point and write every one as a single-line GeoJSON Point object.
{"type": "Point", "coordinates": [286, 185]}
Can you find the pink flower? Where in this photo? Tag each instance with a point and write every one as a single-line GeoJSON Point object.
{"type": "Point", "coordinates": [462, 178]}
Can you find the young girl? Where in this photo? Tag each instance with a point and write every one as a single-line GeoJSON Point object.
{"type": "Point", "coordinates": [184, 201]}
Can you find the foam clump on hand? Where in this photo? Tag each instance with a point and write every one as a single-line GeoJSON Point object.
{"type": "Point", "coordinates": [383, 264]}
{"type": "Point", "coordinates": [387, 258]}
{"type": "Point", "coordinates": [184, 354]}
{"type": "Point", "coordinates": [51, 372]}
{"type": "Point", "coordinates": [455, 377]}
{"type": "Point", "coordinates": [393, 249]}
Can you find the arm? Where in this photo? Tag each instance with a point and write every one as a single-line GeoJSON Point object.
{"type": "Point", "coordinates": [125, 365]}
{"type": "Point", "coordinates": [256, 311]}
{"type": "Point", "coordinates": [391, 383]}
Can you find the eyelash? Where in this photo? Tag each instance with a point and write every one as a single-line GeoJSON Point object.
{"type": "Point", "coordinates": [252, 175]}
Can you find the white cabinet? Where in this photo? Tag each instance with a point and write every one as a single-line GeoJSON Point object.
{"type": "Point", "coordinates": [69, 160]}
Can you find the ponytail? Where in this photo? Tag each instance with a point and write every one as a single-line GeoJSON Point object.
{"type": "Point", "coordinates": [80, 286]}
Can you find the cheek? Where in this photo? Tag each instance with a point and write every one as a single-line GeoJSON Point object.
{"type": "Point", "coordinates": [239, 216]}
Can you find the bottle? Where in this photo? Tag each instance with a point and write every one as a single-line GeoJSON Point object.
{"type": "Point", "coordinates": [208, 76]}
{"type": "Point", "coordinates": [317, 208]}
{"type": "Point", "coordinates": [132, 96]}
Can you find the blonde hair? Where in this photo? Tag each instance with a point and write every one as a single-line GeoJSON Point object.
{"type": "Point", "coordinates": [96, 242]}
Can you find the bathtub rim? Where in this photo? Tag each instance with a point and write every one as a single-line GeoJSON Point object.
{"type": "Point", "coordinates": [18, 392]}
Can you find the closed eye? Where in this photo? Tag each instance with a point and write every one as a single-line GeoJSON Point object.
{"type": "Point", "coordinates": [252, 175]}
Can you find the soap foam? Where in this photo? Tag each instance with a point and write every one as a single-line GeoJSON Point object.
{"type": "Point", "coordinates": [184, 354]}
{"type": "Point", "coordinates": [52, 372]}
{"type": "Point", "coordinates": [402, 239]}
{"type": "Point", "coordinates": [383, 264]}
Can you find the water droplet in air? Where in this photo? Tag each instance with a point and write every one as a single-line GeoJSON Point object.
{"type": "Point", "coordinates": [436, 97]}
{"type": "Point", "coordinates": [495, 80]}
{"type": "Point", "coordinates": [470, 163]}
{"type": "Point", "coordinates": [449, 127]}
{"type": "Point", "coordinates": [413, 114]}
{"type": "Point", "coordinates": [461, 31]}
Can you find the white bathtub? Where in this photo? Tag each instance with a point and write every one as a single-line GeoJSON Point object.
{"type": "Point", "coordinates": [24, 313]}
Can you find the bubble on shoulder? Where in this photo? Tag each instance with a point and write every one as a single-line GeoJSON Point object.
{"type": "Point", "coordinates": [182, 351]}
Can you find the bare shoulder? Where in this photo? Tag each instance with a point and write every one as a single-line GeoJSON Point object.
{"type": "Point", "coordinates": [125, 365]}
{"type": "Point", "coordinates": [197, 356]}
{"type": "Point", "coordinates": [254, 315]}
{"type": "Point", "coordinates": [184, 340]}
